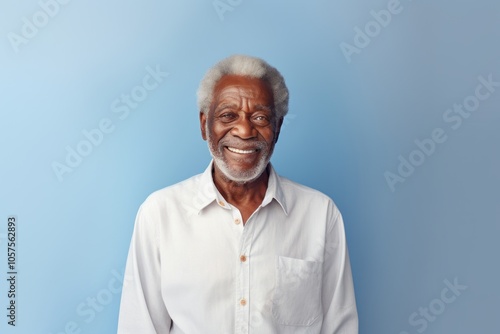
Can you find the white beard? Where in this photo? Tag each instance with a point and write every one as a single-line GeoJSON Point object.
{"type": "Point", "coordinates": [238, 175]}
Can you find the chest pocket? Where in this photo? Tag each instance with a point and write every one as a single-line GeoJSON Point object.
{"type": "Point", "coordinates": [297, 295]}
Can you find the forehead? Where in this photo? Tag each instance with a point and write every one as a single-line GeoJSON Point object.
{"type": "Point", "coordinates": [241, 87]}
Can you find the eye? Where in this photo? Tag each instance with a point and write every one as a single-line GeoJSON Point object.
{"type": "Point", "coordinates": [227, 117]}
{"type": "Point", "coordinates": [261, 120]}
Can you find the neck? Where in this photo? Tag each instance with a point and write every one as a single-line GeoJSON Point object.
{"type": "Point", "coordinates": [246, 196]}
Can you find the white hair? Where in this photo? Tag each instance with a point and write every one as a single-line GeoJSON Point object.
{"type": "Point", "coordinates": [245, 66]}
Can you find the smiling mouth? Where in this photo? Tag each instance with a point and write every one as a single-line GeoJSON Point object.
{"type": "Point", "coordinates": [235, 150]}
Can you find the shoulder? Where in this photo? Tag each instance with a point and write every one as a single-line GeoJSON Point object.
{"type": "Point", "coordinates": [297, 194]}
{"type": "Point", "coordinates": [302, 192]}
{"type": "Point", "coordinates": [300, 189]}
{"type": "Point", "coordinates": [173, 194]}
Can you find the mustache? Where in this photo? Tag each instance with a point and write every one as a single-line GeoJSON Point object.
{"type": "Point", "coordinates": [243, 144]}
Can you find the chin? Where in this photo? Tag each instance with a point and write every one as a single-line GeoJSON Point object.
{"type": "Point", "coordinates": [241, 176]}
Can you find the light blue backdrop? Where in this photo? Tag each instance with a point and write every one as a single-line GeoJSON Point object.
{"type": "Point", "coordinates": [368, 80]}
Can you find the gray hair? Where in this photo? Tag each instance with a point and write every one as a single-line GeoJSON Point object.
{"type": "Point", "coordinates": [245, 66]}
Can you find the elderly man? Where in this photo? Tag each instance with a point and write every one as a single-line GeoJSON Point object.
{"type": "Point", "coordinates": [238, 248]}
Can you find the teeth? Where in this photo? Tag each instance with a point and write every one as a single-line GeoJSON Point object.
{"type": "Point", "coordinates": [235, 150]}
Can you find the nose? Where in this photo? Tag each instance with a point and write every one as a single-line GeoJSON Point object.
{"type": "Point", "coordinates": [244, 128]}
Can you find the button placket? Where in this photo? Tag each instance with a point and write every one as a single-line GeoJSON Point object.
{"type": "Point", "coordinates": [243, 280]}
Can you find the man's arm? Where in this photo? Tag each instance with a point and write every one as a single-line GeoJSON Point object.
{"type": "Point", "coordinates": [340, 315]}
{"type": "Point", "coordinates": [142, 309]}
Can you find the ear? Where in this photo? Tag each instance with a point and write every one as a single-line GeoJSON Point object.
{"type": "Point", "coordinates": [203, 125]}
{"type": "Point", "coordinates": [278, 129]}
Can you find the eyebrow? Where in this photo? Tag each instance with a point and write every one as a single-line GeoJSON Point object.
{"type": "Point", "coordinates": [263, 107]}
{"type": "Point", "coordinates": [258, 107]}
{"type": "Point", "coordinates": [225, 106]}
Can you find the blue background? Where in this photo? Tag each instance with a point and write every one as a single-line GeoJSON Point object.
{"type": "Point", "coordinates": [350, 119]}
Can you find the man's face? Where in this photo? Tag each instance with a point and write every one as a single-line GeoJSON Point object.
{"type": "Point", "coordinates": [241, 127]}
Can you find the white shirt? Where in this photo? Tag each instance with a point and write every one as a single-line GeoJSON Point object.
{"type": "Point", "coordinates": [194, 268]}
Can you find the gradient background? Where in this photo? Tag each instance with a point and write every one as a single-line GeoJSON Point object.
{"type": "Point", "coordinates": [347, 125]}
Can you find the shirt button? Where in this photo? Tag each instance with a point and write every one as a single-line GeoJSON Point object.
{"type": "Point", "coordinates": [221, 203]}
{"type": "Point", "coordinates": [243, 258]}
{"type": "Point", "coordinates": [237, 221]}
{"type": "Point", "coordinates": [243, 302]}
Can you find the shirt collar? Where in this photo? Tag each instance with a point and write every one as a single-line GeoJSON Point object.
{"type": "Point", "coordinates": [208, 192]}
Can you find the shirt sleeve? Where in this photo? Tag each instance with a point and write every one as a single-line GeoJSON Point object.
{"type": "Point", "coordinates": [142, 309]}
{"type": "Point", "coordinates": [340, 314]}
